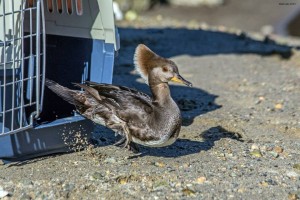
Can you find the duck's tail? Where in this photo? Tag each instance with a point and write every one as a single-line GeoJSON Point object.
{"type": "Point", "coordinates": [63, 92]}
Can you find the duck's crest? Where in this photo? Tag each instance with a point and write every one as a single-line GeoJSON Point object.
{"type": "Point", "coordinates": [144, 60]}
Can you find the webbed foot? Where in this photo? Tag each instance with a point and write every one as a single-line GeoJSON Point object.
{"type": "Point", "coordinates": [128, 145]}
{"type": "Point", "coordinates": [133, 147]}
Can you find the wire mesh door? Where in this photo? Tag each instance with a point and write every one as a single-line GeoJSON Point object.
{"type": "Point", "coordinates": [22, 63]}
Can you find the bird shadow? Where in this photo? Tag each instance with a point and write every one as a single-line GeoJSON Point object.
{"type": "Point", "coordinates": [182, 147]}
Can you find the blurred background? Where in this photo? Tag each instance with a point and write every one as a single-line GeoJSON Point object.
{"type": "Point", "coordinates": [281, 17]}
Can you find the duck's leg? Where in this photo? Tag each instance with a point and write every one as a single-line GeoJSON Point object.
{"type": "Point", "coordinates": [127, 136]}
{"type": "Point", "coordinates": [120, 142]}
{"type": "Point", "coordinates": [128, 140]}
{"type": "Point", "coordinates": [131, 146]}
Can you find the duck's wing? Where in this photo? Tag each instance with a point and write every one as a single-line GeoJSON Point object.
{"type": "Point", "coordinates": [130, 105]}
{"type": "Point", "coordinates": [106, 88]}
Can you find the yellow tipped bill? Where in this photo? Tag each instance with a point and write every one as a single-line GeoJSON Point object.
{"type": "Point", "coordinates": [180, 79]}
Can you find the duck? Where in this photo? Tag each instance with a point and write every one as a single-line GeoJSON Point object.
{"type": "Point", "coordinates": [153, 121]}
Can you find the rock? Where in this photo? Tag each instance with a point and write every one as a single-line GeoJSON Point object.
{"type": "Point", "coordinates": [110, 160]}
{"type": "Point", "coordinates": [278, 106]}
{"type": "Point", "coordinates": [201, 180]}
{"type": "Point", "coordinates": [1, 162]}
{"type": "Point", "coordinates": [293, 196]}
{"type": "Point", "coordinates": [3, 193]}
{"type": "Point", "coordinates": [254, 147]}
{"type": "Point", "coordinates": [292, 174]}
{"type": "Point", "coordinates": [159, 164]}
{"type": "Point", "coordinates": [188, 192]}
{"type": "Point", "coordinates": [68, 187]}
{"type": "Point", "coordinates": [278, 149]}
{"type": "Point", "coordinates": [264, 184]}
{"type": "Point", "coordinates": [296, 166]}
{"type": "Point", "coordinates": [256, 153]}
{"type": "Point", "coordinates": [241, 190]}
{"type": "Point", "coordinates": [273, 154]}
{"type": "Point", "coordinates": [122, 179]}
{"type": "Point", "coordinates": [97, 176]}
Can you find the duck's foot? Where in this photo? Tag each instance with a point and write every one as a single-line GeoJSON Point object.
{"type": "Point", "coordinates": [128, 145]}
{"type": "Point", "coordinates": [133, 147]}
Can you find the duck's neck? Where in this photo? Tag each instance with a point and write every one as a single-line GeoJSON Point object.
{"type": "Point", "coordinates": [161, 93]}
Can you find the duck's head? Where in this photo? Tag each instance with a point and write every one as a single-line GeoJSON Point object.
{"type": "Point", "coordinates": [155, 69]}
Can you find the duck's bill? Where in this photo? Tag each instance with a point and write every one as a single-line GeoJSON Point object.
{"type": "Point", "coordinates": [180, 79]}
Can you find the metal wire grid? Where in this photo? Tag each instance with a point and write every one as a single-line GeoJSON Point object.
{"type": "Point", "coordinates": [22, 63]}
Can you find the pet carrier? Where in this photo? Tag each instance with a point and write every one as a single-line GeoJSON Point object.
{"type": "Point", "coordinates": [64, 40]}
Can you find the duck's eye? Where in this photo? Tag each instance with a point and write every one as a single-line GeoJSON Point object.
{"type": "Point", "coordinates": [165, 69]}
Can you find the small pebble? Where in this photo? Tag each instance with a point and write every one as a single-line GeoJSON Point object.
{"type": "Point", "coordinates": [292, 174]}
{"type": "Point", "coordinates": [122, 180]}
{"type": "Point", "coordinates": [188, 192]}
{"type": "Point", "coordinates": [201, 180]}
{"type": "Point", "coordinates": [260, 99]}
{"type": "Point", "coordinates": [3, 193]}
{"type": "Point", "coordinates": [241, 190]}
{"type": "Point", "coordinates": [278, 149]}
{"type": "Point", "coordinates": [97, 176]}
{"type": "Point", "coordinates": [296, 166]}
{"type": "Point", "coordinates": [278, 106]}
{"type": "Point", "coordinates": [254, 147]}
{"type": "Point", "coordinates": [263, 148]}
{"type": "Point", "coordinates": [256, 153]}
{"type": "Point", "coordinates": [273, 154]}
{"type": "Point", "coordinates": [293, 196]}
{"type": "Point", "coordinates": [110, 160]}
{"type": "Point", "coordinates": [159, 164]}
{"type": "Point", "coordinates": [264, 184]}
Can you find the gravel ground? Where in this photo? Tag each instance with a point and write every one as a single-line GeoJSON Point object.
{"type": "Point", "coordinates": [240, 137]}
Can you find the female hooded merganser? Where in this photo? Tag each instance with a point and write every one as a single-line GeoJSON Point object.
{"type": "Point", "coordinates": [151, 121]}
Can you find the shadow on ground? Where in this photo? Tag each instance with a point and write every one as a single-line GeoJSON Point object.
{"type": "Point", "coordinates": [183, 147]}
{"type": "Point", "coordinates": [173, 42]}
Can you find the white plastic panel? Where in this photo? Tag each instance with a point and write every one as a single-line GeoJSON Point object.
{"type": "Point", "coordinates": [81, 18]}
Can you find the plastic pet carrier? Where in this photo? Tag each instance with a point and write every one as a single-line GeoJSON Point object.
{"type": "Point", "coordinates": [64, 40]}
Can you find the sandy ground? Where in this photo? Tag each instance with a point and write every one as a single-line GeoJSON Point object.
{"type": "Point", "coordinates": [240, 137]}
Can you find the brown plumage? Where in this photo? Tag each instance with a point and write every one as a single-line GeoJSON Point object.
{"type": "Point", "coordinates": [137, 117]}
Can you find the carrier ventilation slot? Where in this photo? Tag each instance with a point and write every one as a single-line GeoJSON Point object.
{"type": "Point", "coordinates": [65, 6]}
